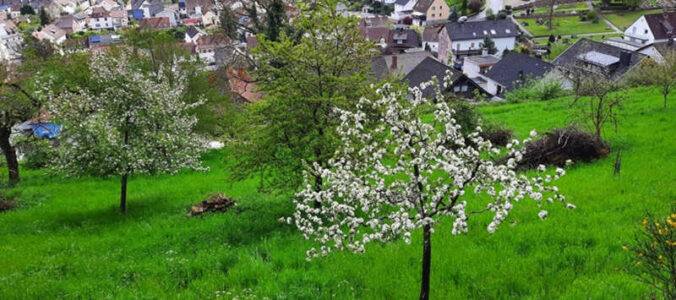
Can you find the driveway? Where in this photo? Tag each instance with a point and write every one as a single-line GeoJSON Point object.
{"type": "Point", "coordinates": [495, 5]}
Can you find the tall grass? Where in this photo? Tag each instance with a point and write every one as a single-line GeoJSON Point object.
{"type": "Point", "coordinates": [68, 240]}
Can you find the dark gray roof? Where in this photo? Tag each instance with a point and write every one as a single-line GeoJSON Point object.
{"type": "Point", "coordinates": [514, 67]}
{"type": "Point", "coordinates": [422, 5]}
{"type": "Point", "coordinates": [402, 2]}
{"type": "Point", "coordinates": [662, 24]}
{"type": "Point", "coordinates": [479, 30]}
{"type": "Point", "coordinates": [427, 69]}
{"type": "Point", "coordinates": [383, 65]}
{"type": "Point", "coordinates": [191, 31]}
{"type": "Point", "coordinates": [409, 38]}
{"type": "Point", "coordinates": [585, 51]}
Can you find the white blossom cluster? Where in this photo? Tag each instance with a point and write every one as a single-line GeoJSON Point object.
{"type": "Point", "coordinates": [398, 171]}
{"type": "Point", "coordinates": [126, 121]}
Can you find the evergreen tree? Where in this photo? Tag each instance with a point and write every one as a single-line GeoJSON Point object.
{"type": "Point", "coordinates": [44, 17]}
{"type": "Point", "coordinates": [489, 45]}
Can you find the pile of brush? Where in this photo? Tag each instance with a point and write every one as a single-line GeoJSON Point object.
{"type": "Point", "coordinates": [214, 203]}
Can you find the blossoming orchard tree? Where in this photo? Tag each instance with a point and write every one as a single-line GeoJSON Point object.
{"type": "Point", "coordinates": [127, 122]}
{"type": "Point", "coordinates": [395, 173]}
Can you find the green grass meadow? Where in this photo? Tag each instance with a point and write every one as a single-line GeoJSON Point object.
{"type": "Point", "coordinates": [68, 240]}
{"type": "Point", "coordinates": [625, 19]}
{"type": "Point", "coordinates": [565, 26]}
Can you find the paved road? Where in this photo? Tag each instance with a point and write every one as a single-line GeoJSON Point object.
{"type": "Point", "coordinates": [495, 5]}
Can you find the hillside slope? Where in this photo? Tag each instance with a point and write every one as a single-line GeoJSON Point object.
{"type": "Point", "coordinates": [68, 240]}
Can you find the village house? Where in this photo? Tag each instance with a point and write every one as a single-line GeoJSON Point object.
{"type": "Point", "coordinates": [514, 70]}
{"type": "Point", "coordinates": [652, 28]}
{"type": "Point", "coordinates": [192, 34]}
{"type": "Point", "coordinates": [430, 38]}
{"type": "Point", "coordinates": [10, 41]}
{"type": "Point", "coordinates": [426, 12]}
{"type": "Point", "coordinates": [460, 39]}
{"type": "Point", "coordinates": [149, 7]}
{"type": "Point", "coordinates": [598, 59]}
{"type": "Point", "coordinates": [171, 15]}
{"type": "Point", "coordinates": [68, 24]}
{"type": "Point", "coordinates": [100, 19]}
{"type": "Point", "coordinates": [51, 33]}
{"type": "Point", "coordinates": [475, 66]}
{"type": "Point", "coordinates": [154, 23]}
{"type": "Point", "coordinates": [197, 8]}
{"type": "Point", "coordinates": [378, 35]}
{"type": "Point", "coordinates": [399, 40]}
{"type": "Point", "coordinates": [384, 66]}
{"type": "Point", "coordinates": [460, 85]}
{"type": "Point", "coordinates": [207, 46]}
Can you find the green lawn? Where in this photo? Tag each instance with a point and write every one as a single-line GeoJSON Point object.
{"type": "Point", "coordinates": [68, 240]}
{"type": "Point", "coordinates": [565, 26]}
{"type": "Point", "coordinates": [625, 19]}
{"type": "Point", "coordinates": [559, 47]}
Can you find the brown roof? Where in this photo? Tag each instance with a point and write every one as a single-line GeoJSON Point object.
{"type": "Point", "coordinates": [243, 85]}
{"type": "Point", "coordinates": [431, 33]}
{"type": "Point", "coordinates": [374, 33]}
{"type": "Point", "coordinates": [99, 12]}
{"type": "Point", "coordinates": [379, 21]}
{"type": "Point", "coordinates": [422, 6]}
{"type": "Point", "coordinates": [154, 23]}
{"type": "Point", "coordinates": [663, 25]}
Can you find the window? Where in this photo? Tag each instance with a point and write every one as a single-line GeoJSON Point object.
{"type": "Point", "coordinates": [456, 89]}
{"type": "Point", "coordinates": [646, 31]}
{"type": "Point", "coordinates": [472, 45]}
{"type": "Point", "coordinates": [464, 88]}
{"type": "Point", "coordinates": [432, 15]}
{"type": "Point", "coordinates": [633, 30]}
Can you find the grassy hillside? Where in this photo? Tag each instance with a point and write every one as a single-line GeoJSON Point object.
{"type": "Point", "coordinates": [68, 240]}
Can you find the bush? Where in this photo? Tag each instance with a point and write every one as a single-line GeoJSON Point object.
{"type": "Point", "coordinates": [536, 90]}
{"type": "Point", "coordinates": [653, 254]}
{"type": "Point", "coordinates": [502, 15]}
{"type": "Point", "coordinates": [592, 16]}
{"type": "Point", "coordinates": [497, 134]}
{"type": "Point", "coordinates": [475, 6]}
{"type": "Point", "coordinates": [39, 153]}
{"type": "Point", "coordinates": [560, 145]}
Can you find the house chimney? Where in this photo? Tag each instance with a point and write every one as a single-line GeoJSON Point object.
{"type": "Point", "coordinates": [625, 58]}
{"type": "Point", "coordinates": [394, 62]}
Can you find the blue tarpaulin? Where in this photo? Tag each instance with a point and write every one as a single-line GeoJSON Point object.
{"type": "Point", "coordinates": [41, 130]}
{"type": "Point", "coordinates": [137, 14]}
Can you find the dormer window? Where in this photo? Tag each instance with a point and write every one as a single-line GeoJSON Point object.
{"type": "Point", "coordinates": [493, 31]}
{"type": "Point", "coordinates": [508, 31]}
{"type": "Point", "coordinates": [485, 32]}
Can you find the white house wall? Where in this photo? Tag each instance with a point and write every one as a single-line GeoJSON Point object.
{"type": "Point", "coordinates": [640, 32]}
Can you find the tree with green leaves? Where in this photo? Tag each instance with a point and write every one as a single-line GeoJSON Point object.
{"type": "Point", "coordinates": [660, 73]}
{"type": "Point", "coordinates": [27, 10]}
{"type": "Point", "coordinates": [17, 104]}
{"type": "Point", "coordinates": [489, 45]}
{"type": "Point", "coordinates": [44, 17]}
{"type": "Point", "coordinates": [271, 23]}
{"type": "Point", "coordinates": [129, 121]}
{"type": "Point", "coordinates": [303, 82]}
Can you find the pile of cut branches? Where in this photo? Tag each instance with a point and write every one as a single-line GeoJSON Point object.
{"type": "Point", "coordinates": [214, 203]}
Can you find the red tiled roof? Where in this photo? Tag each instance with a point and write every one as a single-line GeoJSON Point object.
{"type": "Point", "coordinates": [155, 23]}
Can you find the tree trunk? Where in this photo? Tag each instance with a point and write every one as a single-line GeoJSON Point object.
{"type": "Point", "coordinates": [123, 194]}
{"type": "Point", "coordinates": [318, 187]}
{"type": "Point", "coordinates": [665, 100]}
{"type": "Point", "coordinates": [426, 263]}
{"type": "Point", "coordinates": [10, 155]}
